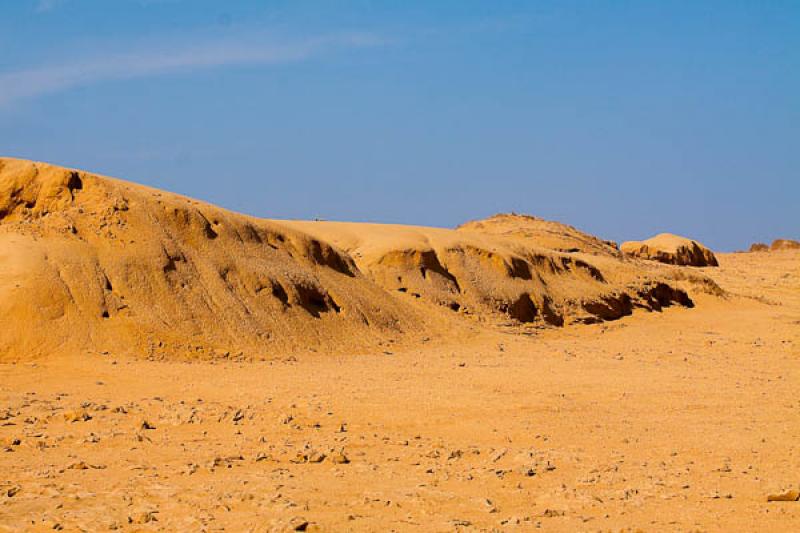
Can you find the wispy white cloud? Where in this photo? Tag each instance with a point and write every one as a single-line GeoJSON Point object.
{"type": "Point", "coordinates": [43, 6]}
{"type": "Point", "coordinates": [38, 81]}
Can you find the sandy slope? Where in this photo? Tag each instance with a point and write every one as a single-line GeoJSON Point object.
{"type": "Point", "coordinates": [409, 413]}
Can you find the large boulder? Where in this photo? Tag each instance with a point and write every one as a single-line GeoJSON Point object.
{"type": "Point", "coordinates": [759, 247]}
{"type": "Point", "coordinates": [671, 249]}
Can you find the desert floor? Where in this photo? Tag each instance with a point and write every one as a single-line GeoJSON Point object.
{"type": "Point", "coordinates": [684, 420]}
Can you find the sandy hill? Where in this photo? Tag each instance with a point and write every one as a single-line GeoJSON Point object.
{"type": "Point", "coordinates": [89, 263]}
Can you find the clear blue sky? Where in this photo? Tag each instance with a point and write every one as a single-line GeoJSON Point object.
{"type": "Point", "coordinates": [622, 118]}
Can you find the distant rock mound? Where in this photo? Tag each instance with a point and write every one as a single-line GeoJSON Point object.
{"type": "Point", "coordinates": [784, 244]}
{"type": "Point", "coordinates": [759, 247]}
{"type": "Point", "coordinates": [542, 233]}
{"type": "Point", "coordinates": [671, 249]}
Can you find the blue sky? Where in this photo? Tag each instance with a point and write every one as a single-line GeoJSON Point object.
{"type": "Point", "coordinates": [624, 119]}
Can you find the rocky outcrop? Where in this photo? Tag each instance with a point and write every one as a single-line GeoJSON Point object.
{"type": "Point", "coordinates": [672, 250]}
{"type": "Point", "coordinates": [784, 244]}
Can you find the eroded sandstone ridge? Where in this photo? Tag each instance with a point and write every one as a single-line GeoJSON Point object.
{"type": "Point", "coordinates": [89, 263]}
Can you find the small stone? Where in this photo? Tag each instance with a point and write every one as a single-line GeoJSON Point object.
{"type": "Point", "coordinates": [13, 491]}
{"type": "Point", "coordinates": [225, 461]}
{"type": "Point", "coordinates": [299, 458]}
{"type": "Point", "coordinates": [8, 445]}
{"type": "Point", "coordinates": [338, 458]}
{"type": "Point", "coordinates": [146, 425]}
{"type": "Point", "coordinates": [316, 457]}
{"type": "Point", "coordinates": [81, 465]}
{"type": "Point", "coordinates": [79, 415]}
{"type": "Point", "coordinates": [790, 495]}
{"type": "Point", "coordinates": [52, 524]}
{"type": "Point", "coordinates": [298, 524]}
{"type": "Point", "coordinates": [145, 517]}
{"type": "Point", "coordinates": [496, 456]}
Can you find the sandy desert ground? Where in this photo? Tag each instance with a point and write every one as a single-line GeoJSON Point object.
{"type": "Point", "coordinates": [462, 417]}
